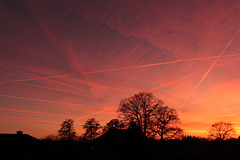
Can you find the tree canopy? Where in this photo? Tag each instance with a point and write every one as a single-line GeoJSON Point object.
{"type": "Point", "coordinates": [67, 130]}
{"type": "Point", "coordinates": [91, 128]}
{"type": "Point", "coordinates": [165, 123]}
{"type": "Point", "coordinates": [221, 130]}
{"type": "Point", "coordinates": [148, 112]}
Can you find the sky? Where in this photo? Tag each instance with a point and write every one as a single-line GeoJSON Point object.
{"type": "Point", "coordinates": [78, 58]}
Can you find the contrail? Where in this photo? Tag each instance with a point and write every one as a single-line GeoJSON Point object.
{"type": "Point", "coordinates": [161, 63]}
{"type": "Point", "coordinates": [32, 112]}
{"type": "Point", "coordinates": [172, 82]}
{"type": "Point", "coordinates": [56, 76]}
{"type": "Point", "coordinates": [53, 123]}
{"type": "Point", "coordinates": [100, 111]}
{"type": "Point", "coordinates": [118, 91]}
{"type": "Point", "coordinates": [180, 79]}
{"type": "Point", "coordinates": [43, 100]}
{"type": "Point", "coordinates": [37, 78]}
{"type": "Point", "coordinates": [207, 72]}
{"type": "Point", "coordinates": [114, 90]}
{"type": "Point", "coordinates": [113, 69]}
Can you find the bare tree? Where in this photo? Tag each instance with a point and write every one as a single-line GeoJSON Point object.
{"type": "Point", "coordinates": [67, 131]}
{"type": "Point", "coordinates": [140, 108]}
{"type": "Point", "coordinates": [91, 128]}
{"type": "Point", "coordinates": [114, 123]}
{"type": "Point", "coordinates": [221, 130]}
{"type": "Point", "coordinates": [165, 123]}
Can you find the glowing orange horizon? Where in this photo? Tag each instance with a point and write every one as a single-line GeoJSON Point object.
{"type": "Point", "coordinates": [80, 61]}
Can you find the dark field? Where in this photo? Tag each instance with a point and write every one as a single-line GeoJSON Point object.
{"type": "Point", "coordinates": [116, 146]}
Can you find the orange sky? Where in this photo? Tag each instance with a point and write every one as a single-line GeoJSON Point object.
{"type": "Point", "coordinates": [78, 59]}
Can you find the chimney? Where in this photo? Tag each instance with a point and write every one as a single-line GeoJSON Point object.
{"type": "Point", "coordinates": [19, 132]}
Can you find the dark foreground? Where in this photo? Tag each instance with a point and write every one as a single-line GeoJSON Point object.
{"type": "Point", "coordinates": [109, 147]}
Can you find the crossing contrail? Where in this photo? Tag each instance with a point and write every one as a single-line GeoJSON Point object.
{"type": "Point", "coordinates": [207, 72]}
{"type": "Point", "coordinates": [113, 69]}
{"type": "Point", "coordinates": [190, 75]}
{"type": "Point", "coordinates": [161, 63]}
{"type": "Point", "coordinates": [32, 112]}
{"type": "Point", "coordinates": [36, 77]}
{"type": "Point", "coordinates": [44, 100]}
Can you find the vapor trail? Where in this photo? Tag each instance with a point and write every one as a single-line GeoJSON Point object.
{"type": "Point", "coordinates": [161, 63]}
{"type": "Point", "coordinates": [30, 120]}
{"type": "Point", "coordinates": [36, 77]}
{"type": "Point", "coordinates": [42, 100]}
{"type": "Point", "coordinates": [48, 78]}
{"type": "Point", "coordinates": [107, 70]}
{"type": "Point", "coordinates": [100, 111]}
{"type": "Point", "coordinates": [172, 82]}
{"type": "Point", "coordinates": [207, 72]}
{"type": "Point", "coordinates": [32, 112]}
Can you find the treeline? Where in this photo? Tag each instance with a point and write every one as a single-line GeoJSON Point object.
{"type": "Point", "coordinates": [149, 115]}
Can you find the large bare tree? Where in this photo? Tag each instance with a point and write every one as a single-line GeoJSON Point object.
{"type": "Point", "coordinates": [221, 130]}
{"type": "Point", "coordinates": [140, 109]}
{"type": "Point", "coordinates": [165, 123]}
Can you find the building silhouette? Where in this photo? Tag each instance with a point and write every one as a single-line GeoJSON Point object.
{"type": "Point", "coordinates": [18, 145]}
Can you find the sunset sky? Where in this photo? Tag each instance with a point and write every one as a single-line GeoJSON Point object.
{"type": "Point", "coordinates": [77, 59]}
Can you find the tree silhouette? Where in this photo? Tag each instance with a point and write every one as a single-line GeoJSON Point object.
{"type": "Point", "coordinates": [221, 130]}
{"type": "Point", "coordinates": [51, 137]}
{"type": "Point", "coordinates": [140, 108]}
{"type": "Point", "coordinates": [114, 123]}
{"type": "Point", "coordinates": [91, 128]}
{"type": "Point", "coordinates": [165, 123]}
{"type": "Point", "coordinates": [67, 131]}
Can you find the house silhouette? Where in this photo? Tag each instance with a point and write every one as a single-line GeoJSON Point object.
{"type": "Point", "coordinates": [18, 145]}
